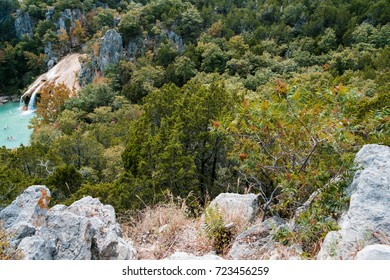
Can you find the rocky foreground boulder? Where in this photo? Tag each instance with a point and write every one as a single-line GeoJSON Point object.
{"type": "Point", "coordinates": [85, 230]}
{"type": "Point", "coordinates": [367, 221]}
{"type": "Point", "coordinates": [374, 252]}
{"type": "Point", "coordinates": [256, 243]}
{"type": "Point", "coordinates": [234, 205]}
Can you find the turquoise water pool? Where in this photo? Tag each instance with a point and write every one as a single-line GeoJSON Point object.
{"type": "Point", "coordinates": [14, 123]}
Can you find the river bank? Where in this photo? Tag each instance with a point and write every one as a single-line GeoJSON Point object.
{"type": "Point", "coordinates": [5, 99]}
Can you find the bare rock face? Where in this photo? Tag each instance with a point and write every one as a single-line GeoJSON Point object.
{"type": "Point", "coordinates": [65, 22]}
{"type": "Point", "coordinates": [176, 39]}
{"type": "Point", "coordinates": [110, 52]}
{"type": "Point", "coordinates": [69, 16]}
{"type": "Point", "coordinates": [85, 230]}
{"type": "Point", "coordinates": [367, 221]}
{"type": "Point", "coordinates": [23, 24]}
{"type": "Point", "coordinates": [110, 49]}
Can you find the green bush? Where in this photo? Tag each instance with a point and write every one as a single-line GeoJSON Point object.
{"type": "Point", "coordinates": [214, 226]}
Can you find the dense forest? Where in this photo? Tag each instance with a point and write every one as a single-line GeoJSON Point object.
{"type": "Point", "coordinates": [272, 97]}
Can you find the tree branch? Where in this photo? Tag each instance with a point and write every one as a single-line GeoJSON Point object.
{"type": "Point", "coordinates": [305, 206]}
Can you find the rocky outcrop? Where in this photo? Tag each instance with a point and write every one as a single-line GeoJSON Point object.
{"type": "Point", "coordinates": [367, 221]}
{"type": "Point", "coordinates": [50, 13]}
{"type": "Point", "coordinates": [3, 100]}
{"type": "Point", "coordinates": [257, 243]}
{"type": "Point", "coordinates": [110, 49]}
{"type": "Point", "coordinates": [87, 70]}
{"type": "Point", "coordinates": [233, 205]}
{"type": "Point", "coordinates": [374, 252]}
{"type": "Point", "coordinates": [23, 24]}
{"type": "Point", "coordinates": [176, 39]}
{"type": "Point", "coordinates": [85, 230]}
{"type": "Point", "coordinates": [66, 21]}
{"type": "Point", "coordinates": [51, 55]}
{"type": "Point", "coordinates": [110, 52]}
{"type": "Point", "coordinates": [66, 71]}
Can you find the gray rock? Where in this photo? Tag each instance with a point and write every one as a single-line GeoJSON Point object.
{"type": "Point", "coordinates": [329, 249]}
{"type": "Point", "coordinates": [50, 13]}
{"type": "Point", "coordinates": [87, 70]}
{"type": "Point", "coordinates": [374, 252]}
{"type": "Point", "coordinates": [188, 256]}
{"type": "Point", "coordinates": [110, 49]}
{"type": "Point", "coordinates": [51, 56]}
{"type": "Point", "coordinates": [233, 205]}
{"type": "Point", "coordinates": [23, 24]}
{"type": "Point", "coordinates": [176, 39]}
{"type": "Point", "coordinates": [257, 243]}
{"type": "Point", "coordinates": [367, 220]}
{"type": "Point", "coordinates": [87, 229]}
{"type": "Point", "coordinates": [25, 213]}
{"type": "Point", "coordinates": [110, 52]}
{"type": "Point", "coordinates": [67, 19]}
{"type": "Point", "coordinates": [37, 248]}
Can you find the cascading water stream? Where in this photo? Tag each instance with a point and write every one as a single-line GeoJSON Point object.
{"type": "Point", "coordinates": [32, 102]}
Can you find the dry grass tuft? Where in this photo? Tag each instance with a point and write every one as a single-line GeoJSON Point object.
{"type": "Point", "coordinates": [382, 237]}
{"type": "Point", "coordinates": [6, 251]}
{"type": "Point", "coordinates": [159, 231]}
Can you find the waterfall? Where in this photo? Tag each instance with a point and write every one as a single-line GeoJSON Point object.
{"type": "Point", "coordinates": [32, 102]}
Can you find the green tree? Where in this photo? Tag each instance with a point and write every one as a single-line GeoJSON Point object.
{"type": "Point", "coordinates": [328, 41]}
{"type": "Point", "coordinates": [64, 181]}
{"type": "Point", "coordinates": [184, 69]}
{"type": "Point", "coordinates": [213, 58]}
{"type": "Point", "coordinates": [74, 4]}
{"type": "Point", "coordinates": [7, 30]}
{"type": "Point", "coordinates": [130, 25]}
{"type": "Point", "coordinates": [174, 144]}
{"type": "Point", "coordinates": [143, 81]}
{"type": "Point", "coordinates": [166, 53]}
{"type": "Point", "coordinates": [80, 149]}
{"type": "Point", "coordinates": [91, 97]}
{"type": "Point", "coordinates": [190, 24]}
{"type": "Point", "coordinates": [104, 17]}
